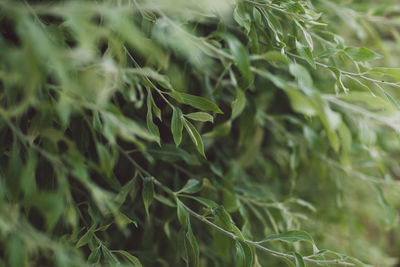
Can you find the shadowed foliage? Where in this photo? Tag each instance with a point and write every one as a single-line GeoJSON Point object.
{"type": "Point", "coordinates": [199, 133]}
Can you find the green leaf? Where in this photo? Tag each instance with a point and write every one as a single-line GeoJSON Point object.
{"type": "Point", "coordinates": [221, 129]}
{"type": "Point", "coordinates": [241, 17]}
{"type": "Point", "coordinates": [182, 213]}
{"type": "Point", "coordinates": [153, 128]}
{"type": "Point", "coordinates": [109, 257]}
{"type": "Point", "coordinates": [305, 53]}
{"type": "Point", "coordinates": [394, 72]}
{"type": "Point", "coordinates": [257, 16]}
{"type": "Point", "coordinates": [291, 236]}
{"type": "Point", "coordinates": [86, 237]}
{"type": "Point", "coordinates": [204, 201]}
{"type": "Point", "coordinates": [275, 56]}
{"type": "Point", "coordinates": [192, 186]}
{"type": "Point", "coordinates": [361, 53]}
{"type": "Point", "coordinates": [200, 116]}
{"type": "Point", "coordinates": [123, 192]}
{"type": "Point", "coordinates": [303, 78]}
{"type": "Point", "coordinates": [147, 193]}
{"type": "Point", "coordinates": [391, 213]}
{"type": "Point", "coordinates": [240, 256]}
{"type": "Point", "coordinates": [135, 261]}
{"type": "Point", "coordinates": [94, 256]}
{"type": "Point", "coordinates": [197, 102]}
{"type": "Point", "coordinates": [165, 201]}
{"type": "Point", "coordinates": [177, 125]}
{"type": "Point", "coordinates": [300, 103]}
{"type": "Point", "coordinates": [223, 218]}
{"type": "Point", "coordinates": [121, 219]}
{"type": "Point", "coordinates": [150, 73]}
{"type": "Point", "coordinates": [298, 260]}
{"type": "Point", "coordinates": [195, 136]}
{"type": "Point", "coordinates": [238, 104]}
{"type": "Point", "coordinates": [193, 251]}
{"type": "Point", "coordinates": [15, 251]}
{"type": "Point", "coordinates": [244, 255]}
{"type": "Point", "coordinates": [237, 232]}
{"type": "Point", "coordinates": [240, 55]}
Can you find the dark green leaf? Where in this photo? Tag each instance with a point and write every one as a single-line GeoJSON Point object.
{"type": "Point", "coordinates": [193, 251]}
{"type": "Point", "coordinates": [197, 102]}
{"type": "Point", "coordinates": [147, 193]}
{"type": "Point", "coordinates": [181, 213]}
{"type": "Point", "coordinates": [135, 261]}
{"type": "Point", "coordinates": [153, 128]}
{"type": "Point", "coordinates": [86, 237]}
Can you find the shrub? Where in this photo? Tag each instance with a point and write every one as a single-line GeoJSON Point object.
{"type": "Point", "coordinates": [198, 133]}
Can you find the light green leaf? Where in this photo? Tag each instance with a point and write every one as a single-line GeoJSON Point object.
{"type": "Point", "coordinates": [303, 78]}
{"type": "Point", "coordinates": [275, 56]}
{"type": "Point", "coordinates": [361, 53]}
{"type": "Point", "coordinates": [195, 136]}
{"type": "Point", "coordinates": [305, 52]}
{"type": "Point", "coordinates": [177, 125]}
{"type": "Point", "coordinates": [301, 103]}
{"type": "Point", "coordinates": [192, 186]}
{"type": "Point", "coordinates": [200, 116]}
{"type": "Point", "coordinates": [394, 72]}
{"type": "Point", "coordinates": [292, 236]}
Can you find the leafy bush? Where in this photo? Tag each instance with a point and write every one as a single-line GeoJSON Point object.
{"type": "Point", "coordinates": [199, 133]}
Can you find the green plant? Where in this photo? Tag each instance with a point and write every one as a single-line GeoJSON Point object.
{"type": "Point", "coordinates": [198, 133]}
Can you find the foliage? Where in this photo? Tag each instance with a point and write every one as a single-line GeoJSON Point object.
{"type": "Point", "coordinates": [199, 133]}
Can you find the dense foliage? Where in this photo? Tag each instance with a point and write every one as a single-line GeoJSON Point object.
{"type": "Point", "coordinates": [199, 133]}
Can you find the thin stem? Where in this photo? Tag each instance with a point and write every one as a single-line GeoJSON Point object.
{"type": "Point", "coordinates": [225, 232]}
{"type": "Point", "coordinates": [257, 244]}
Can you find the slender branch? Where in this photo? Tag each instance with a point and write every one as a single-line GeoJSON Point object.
{"type": "Point", "coordinates": [225, 232]}
{"type": "Point", "coordinates": [260, 247]}
{"type": "Point", "coordinates": [347, 73]}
